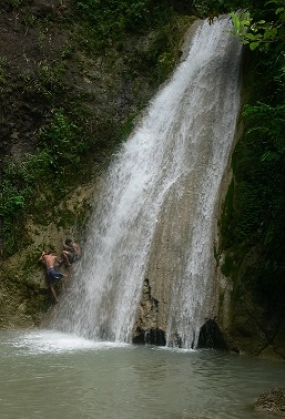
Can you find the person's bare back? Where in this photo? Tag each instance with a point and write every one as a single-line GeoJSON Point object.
{"type": "Point", "coordinates": [49, 259]}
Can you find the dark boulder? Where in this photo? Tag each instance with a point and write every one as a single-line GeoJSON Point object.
{"type": "Point", "coordinates": [151, 336]}
{"type": "Point", "coordinates": [211, 337]}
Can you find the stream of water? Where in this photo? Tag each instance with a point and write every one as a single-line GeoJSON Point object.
{"type": "Point", "coordinates": [178, 153]}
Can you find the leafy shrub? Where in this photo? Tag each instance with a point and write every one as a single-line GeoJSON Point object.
{"type": "Point", "coordinates": [61, 145]}
{"type": "Point", "coordinates": [111, 20]}
{"type": "Point", "coordinates": [256, 199]}
{"type": "Point", "coordinates": [53, 166]}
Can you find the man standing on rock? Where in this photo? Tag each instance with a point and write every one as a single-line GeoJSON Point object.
{"type": "Point", "coordinates": [49, 259]}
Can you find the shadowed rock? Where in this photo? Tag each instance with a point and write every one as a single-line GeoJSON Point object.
{"type": "Point", "coordinates": [153, 336]}
{"type": "Point", "coordinates": [211, 337]}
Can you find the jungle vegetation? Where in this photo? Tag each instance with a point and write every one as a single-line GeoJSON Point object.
{"type": "Point", "coordinates": [254, 217]}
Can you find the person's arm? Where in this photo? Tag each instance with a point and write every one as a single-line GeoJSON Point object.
{"type": "Point", "coordinates": [41, 258]}
{"type": "Point", "coordinates": [68, 248]}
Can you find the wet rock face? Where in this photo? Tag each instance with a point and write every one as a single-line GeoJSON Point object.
{"type": "Point", "coordinates": [146, 329]}
{"type": "Point", "coordinates": [272, 400]}
{"type": "Point", "coordinates": [211, 337]}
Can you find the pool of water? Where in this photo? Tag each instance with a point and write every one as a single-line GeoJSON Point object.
{"type": "Point", "coordinates": [46, 374]}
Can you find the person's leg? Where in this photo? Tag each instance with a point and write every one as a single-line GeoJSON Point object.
{"type": "Point", "coordinates": [66, 258]}
{"type": "Point", "coordinates": [54, 293]}
{"type": "Point", "coordinates": [64, 281]}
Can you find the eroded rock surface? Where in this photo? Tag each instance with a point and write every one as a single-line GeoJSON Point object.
{"type": "Point", "coordinates": [146, 329]}
{"type": "Point", "coordinates": [272, 400]}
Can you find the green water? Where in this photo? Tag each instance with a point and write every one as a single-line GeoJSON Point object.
{"type": "Point", "coordinates": [48, 375]}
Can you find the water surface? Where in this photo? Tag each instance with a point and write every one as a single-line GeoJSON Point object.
{"type": "Point", "coordinates": [45, 374]}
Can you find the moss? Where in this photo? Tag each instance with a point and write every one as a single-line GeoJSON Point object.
{"type": "Point", "coordinates": [227, 267]}
{"type": "Point", "coordinates": [227, 217]}
{"type": "Point", "coordinates": [221, 302]}
{"type": "Point", "coordinates": [66, 219]}
{"type": "Point", "coordinates": [236, 294]}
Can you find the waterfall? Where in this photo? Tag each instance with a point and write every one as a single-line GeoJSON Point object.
{"type": "Point", "coordinates": [174, 161]}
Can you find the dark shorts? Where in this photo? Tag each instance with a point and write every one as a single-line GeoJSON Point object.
{"type": "Point", "coordinates": [53, 275]}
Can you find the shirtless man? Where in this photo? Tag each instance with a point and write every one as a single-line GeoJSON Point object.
{"type": "Point", "coordinates": [49, 259]}
{"type": "Point", "coordinates": [71, 252]}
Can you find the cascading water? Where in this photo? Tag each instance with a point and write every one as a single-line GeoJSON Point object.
{"type": "Point", "coordinates": [176, 157]}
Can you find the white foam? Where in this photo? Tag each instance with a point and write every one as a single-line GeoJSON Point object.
{"type": "Point", "coordinates": [45, 341]}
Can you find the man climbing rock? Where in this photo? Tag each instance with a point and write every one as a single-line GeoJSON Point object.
{"type": "Point", "coordinates": [71, 252]}
{"type": "Point", "coordinates": [49, 259]}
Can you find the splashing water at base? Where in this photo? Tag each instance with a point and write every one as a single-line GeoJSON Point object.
{"type": "Point", "coordinates": [176, 158]}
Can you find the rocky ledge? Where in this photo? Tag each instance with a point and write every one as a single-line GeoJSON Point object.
{"type": "Point", "coordinates": [272, 400]}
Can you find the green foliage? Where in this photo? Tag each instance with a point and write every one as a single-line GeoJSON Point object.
{"type": "Point", "coordinates": [262, 34]}
{"type": "Point", "coordinates": [56, 163]}
{"type": "Point", "coordinates": [110, 21]}
{"type": "Point", "coordinates": [268, 127]}
{"type": "Point", "coordinates": [162, 53]}
{"type": "Point", "coordinates": [12, 201]}
{"type": "Point", "coordinates": [15, 194]}
{"type": "Point", "coordinates": [8, 5]}
{"type": "Point", "coordinates": [254, 209]}
{"type": "Point", "coordinates": [60, 145]}
{"type": "Point", "coordinates": [213, 8]}
{"type": "Point", "coordinates": [254, 219]}
{"type": "Point", "coordinates": [267, 123]}
{"type": "Point", "coordinates": [48, 80]}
